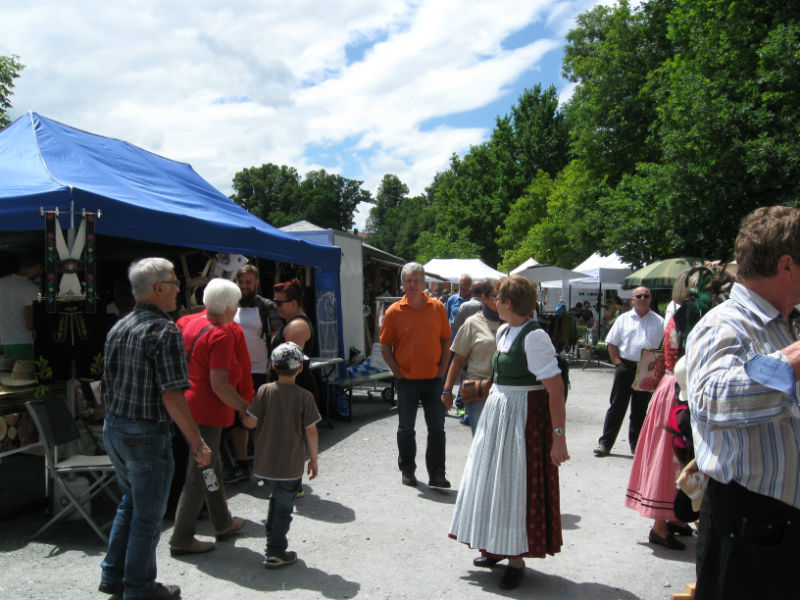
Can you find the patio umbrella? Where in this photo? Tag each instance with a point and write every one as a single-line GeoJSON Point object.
{"type": "Point", "coordinates": [660, 274]}
{"type": "Point", "coordinates": [544, 272]}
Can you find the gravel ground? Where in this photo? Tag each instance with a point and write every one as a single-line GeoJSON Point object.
{"type": "Point", "coordinates": [359, 533]}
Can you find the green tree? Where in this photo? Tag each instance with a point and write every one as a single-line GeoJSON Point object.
{"type": "Point", "coordinates": [391, 193]}
{"type": "Point", "coordinates": [526, 212]}
{"type": "Point", "coordinates": [330, 200]}
{"type": "Point", "coordinates": [611, 54]}
{"type": "Point", "coordinates": [10, 68]}
{"type": "Point", "coordinates": [570, 229]}
{"type": "Point", "coordinates": [270, 192]}
{"type": "Point", "coordinates": [396, 221]}
{"type": "Point", "coordinates": [727, 106]}
{"type": "Point", "coordinates": [278, 196]}
{"type": "Point", "coordinates": [471, 199]}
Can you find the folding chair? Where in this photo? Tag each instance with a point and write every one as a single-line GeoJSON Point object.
{"type": "Point", "coordinates": [57, 426]}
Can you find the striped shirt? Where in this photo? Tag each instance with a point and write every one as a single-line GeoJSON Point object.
{"type": "Point", "coordinates": [743, 396]}
{"type": "Point", "coordinates": [144, 357]}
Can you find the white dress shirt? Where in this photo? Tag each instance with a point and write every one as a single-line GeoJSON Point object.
{"type": "Point", "coordinates": [632, 333]}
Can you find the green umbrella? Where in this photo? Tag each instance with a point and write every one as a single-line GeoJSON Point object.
{"type": "Point", "coordinates": [660, 274]}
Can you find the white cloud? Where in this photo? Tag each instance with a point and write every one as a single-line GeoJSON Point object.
{"type": "Point", "coordinates": [229, 86]}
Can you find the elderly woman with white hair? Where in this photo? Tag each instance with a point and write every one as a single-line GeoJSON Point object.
{"type": "Point", "coordinates": [213, 399]}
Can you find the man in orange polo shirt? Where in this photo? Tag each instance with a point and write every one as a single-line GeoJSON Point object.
{"type": "Point", "coordinates": [415, 343]}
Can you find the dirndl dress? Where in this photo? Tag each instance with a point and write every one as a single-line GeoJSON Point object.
{"type": "Point", "coordinates": [508, 503]}
{"type": "Point", "coordinates": [651, 486]}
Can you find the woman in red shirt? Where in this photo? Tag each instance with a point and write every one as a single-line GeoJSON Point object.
{"type": "Point", "coordinates": [214, 374]}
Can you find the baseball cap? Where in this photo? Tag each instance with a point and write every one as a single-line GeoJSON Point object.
{"type": "Point", "coordinates": [288, 355]}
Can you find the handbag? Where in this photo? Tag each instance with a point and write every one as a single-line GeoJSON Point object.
{"type": "Point", "coordinates": [649, 371]}
{"type": "Point", "coordinates": [475, 390]}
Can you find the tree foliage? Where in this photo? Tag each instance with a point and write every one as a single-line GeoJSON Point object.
{"type": "Point", "coordinates": [10, 68]}
{"type": "Point", "coordinates": [472, 198]}
{"type": "Point", "coordinates": [278, 196]}
{"type": "Point", "coordinates": [727, 105]}
{"type": "Point", "coordinates": [396, 221]}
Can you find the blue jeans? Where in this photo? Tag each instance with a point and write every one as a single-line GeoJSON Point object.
{"type": "Point", "coordinates": [141, 452]}
{"type": "Point", "coordinates": [279, 514]}
{"type": "Point", "coordinates": [474, 410]}
{"type": "Point", "coordinates": [410, 392]}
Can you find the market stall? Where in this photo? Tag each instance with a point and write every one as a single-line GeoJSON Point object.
{"type": "Point", "coordinates": [105, 202]}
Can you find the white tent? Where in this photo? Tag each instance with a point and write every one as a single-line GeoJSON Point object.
{"type": "Point", "coordinates": [608, 271]}
{"type": "Point", "coordinates": [528, 263]}
{"type": "Point", "coordinates": [453, 268]}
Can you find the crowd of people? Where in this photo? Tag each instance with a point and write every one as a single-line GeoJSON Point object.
{"type": "Point", "coordinates": [726, 410]}
{"type": "Point", "coordinates": [206, 373]}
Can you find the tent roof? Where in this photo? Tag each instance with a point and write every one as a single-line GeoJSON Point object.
{"type": "Point", "coordinates": [142, 196]}
{"type": "Point", "coordinates": [528, 263]}
{"type": "Point", "coordinates": [604, 269]}
{"type": "Point", "coordinates": [453, 268]}
{"type": "Point", "coordinates": [609, 271]}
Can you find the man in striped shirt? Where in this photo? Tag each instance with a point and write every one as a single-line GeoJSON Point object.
{"type": "Point", "coordinates": [743, 362]}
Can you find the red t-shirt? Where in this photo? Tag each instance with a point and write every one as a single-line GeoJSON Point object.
{"type": "Point", "coordinates": [215, 349]}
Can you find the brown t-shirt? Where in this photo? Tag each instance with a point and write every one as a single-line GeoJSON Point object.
{"type": "Point", "coordinates": [283, 411]}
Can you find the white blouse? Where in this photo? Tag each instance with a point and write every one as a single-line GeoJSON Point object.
{"type": "Point", "coordinates": [539, 350]}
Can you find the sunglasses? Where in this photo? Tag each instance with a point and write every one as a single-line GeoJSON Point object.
{"type": "Point", "coordinates": [280, 302]}
{"type": "Point", "coordinates": [640, 296]}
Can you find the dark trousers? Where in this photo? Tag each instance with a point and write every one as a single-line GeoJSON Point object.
{"type": "Point", "coordinates": [410, 392]}
{"type": "Point", "coordinates": [623, 394]}
{"type": "Point", "coordinates": [747, 545]}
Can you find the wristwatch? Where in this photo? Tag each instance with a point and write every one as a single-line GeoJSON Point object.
{"type": "Point", "coordinates": [558, 431]}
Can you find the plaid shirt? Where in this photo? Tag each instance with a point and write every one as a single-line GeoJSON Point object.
{"type": "Point", "coordinates": [144, 357]}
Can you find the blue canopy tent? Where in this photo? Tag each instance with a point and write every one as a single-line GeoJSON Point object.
{"type": "Point", "coordinates": [146, 197]}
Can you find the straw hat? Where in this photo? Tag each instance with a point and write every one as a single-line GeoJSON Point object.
{"type": "Point", "coordinates": [7, 362]}
{"type": "Point", "coordinates": [22, 374]}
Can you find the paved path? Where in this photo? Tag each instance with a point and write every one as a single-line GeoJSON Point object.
{"type": "Point", "coordinates": [359, 533]}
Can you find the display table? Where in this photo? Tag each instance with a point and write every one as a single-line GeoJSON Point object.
{"type": "Point", "coordinates": [346, 385]}
{"type": "Point", "coordinates": [325, 368]}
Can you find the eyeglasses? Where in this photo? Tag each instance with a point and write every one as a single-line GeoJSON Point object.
{"type": "Point", "coordinates": [641, 296]}
{"type": "Point", "coordinates": [174, 282]}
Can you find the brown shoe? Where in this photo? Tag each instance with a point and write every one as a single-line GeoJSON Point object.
{"type": "Point", "coordinates": [196, 547]}
{"type": "Point", "coordinates": [236, 525]}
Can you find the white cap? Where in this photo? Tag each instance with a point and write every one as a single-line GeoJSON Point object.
{"type": "Point", "coordinates": [288, 355]}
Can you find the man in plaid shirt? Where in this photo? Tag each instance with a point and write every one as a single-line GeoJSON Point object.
{"type": "Point", "coordinates": [144, 379]}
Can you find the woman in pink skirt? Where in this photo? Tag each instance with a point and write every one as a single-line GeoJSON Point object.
{"type": "Point", "coordinates": [651, 487]}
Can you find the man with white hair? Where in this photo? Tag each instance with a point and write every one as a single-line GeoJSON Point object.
{"type": "Point", "coordinates": [144, 380]}
{"type": "Point", "coordinates": [455, 301]}
{"type": "Point", "coordinates": [415, 343]}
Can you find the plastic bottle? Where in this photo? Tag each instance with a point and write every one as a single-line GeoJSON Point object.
{"type": "Point", "coordinates": [212, 484]}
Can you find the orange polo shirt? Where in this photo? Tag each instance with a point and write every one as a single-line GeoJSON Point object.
{"type": "Point", "coordinates": [416, 336]}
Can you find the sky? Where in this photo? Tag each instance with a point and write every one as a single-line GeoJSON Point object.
{"type": "Point", "coordinates": [361, 88]}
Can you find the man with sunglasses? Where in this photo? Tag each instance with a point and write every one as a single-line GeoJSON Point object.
{"type": "Point", "coordinates": [632, 332]}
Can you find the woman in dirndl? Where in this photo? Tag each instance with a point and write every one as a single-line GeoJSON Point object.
{"type": "Point", "coordinates": [651, 485]}
{"type": "Point", "coordinates": [508, 502]}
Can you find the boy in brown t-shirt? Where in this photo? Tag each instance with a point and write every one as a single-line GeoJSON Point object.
{"type": "Point", "coordinates": [284, 416]}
